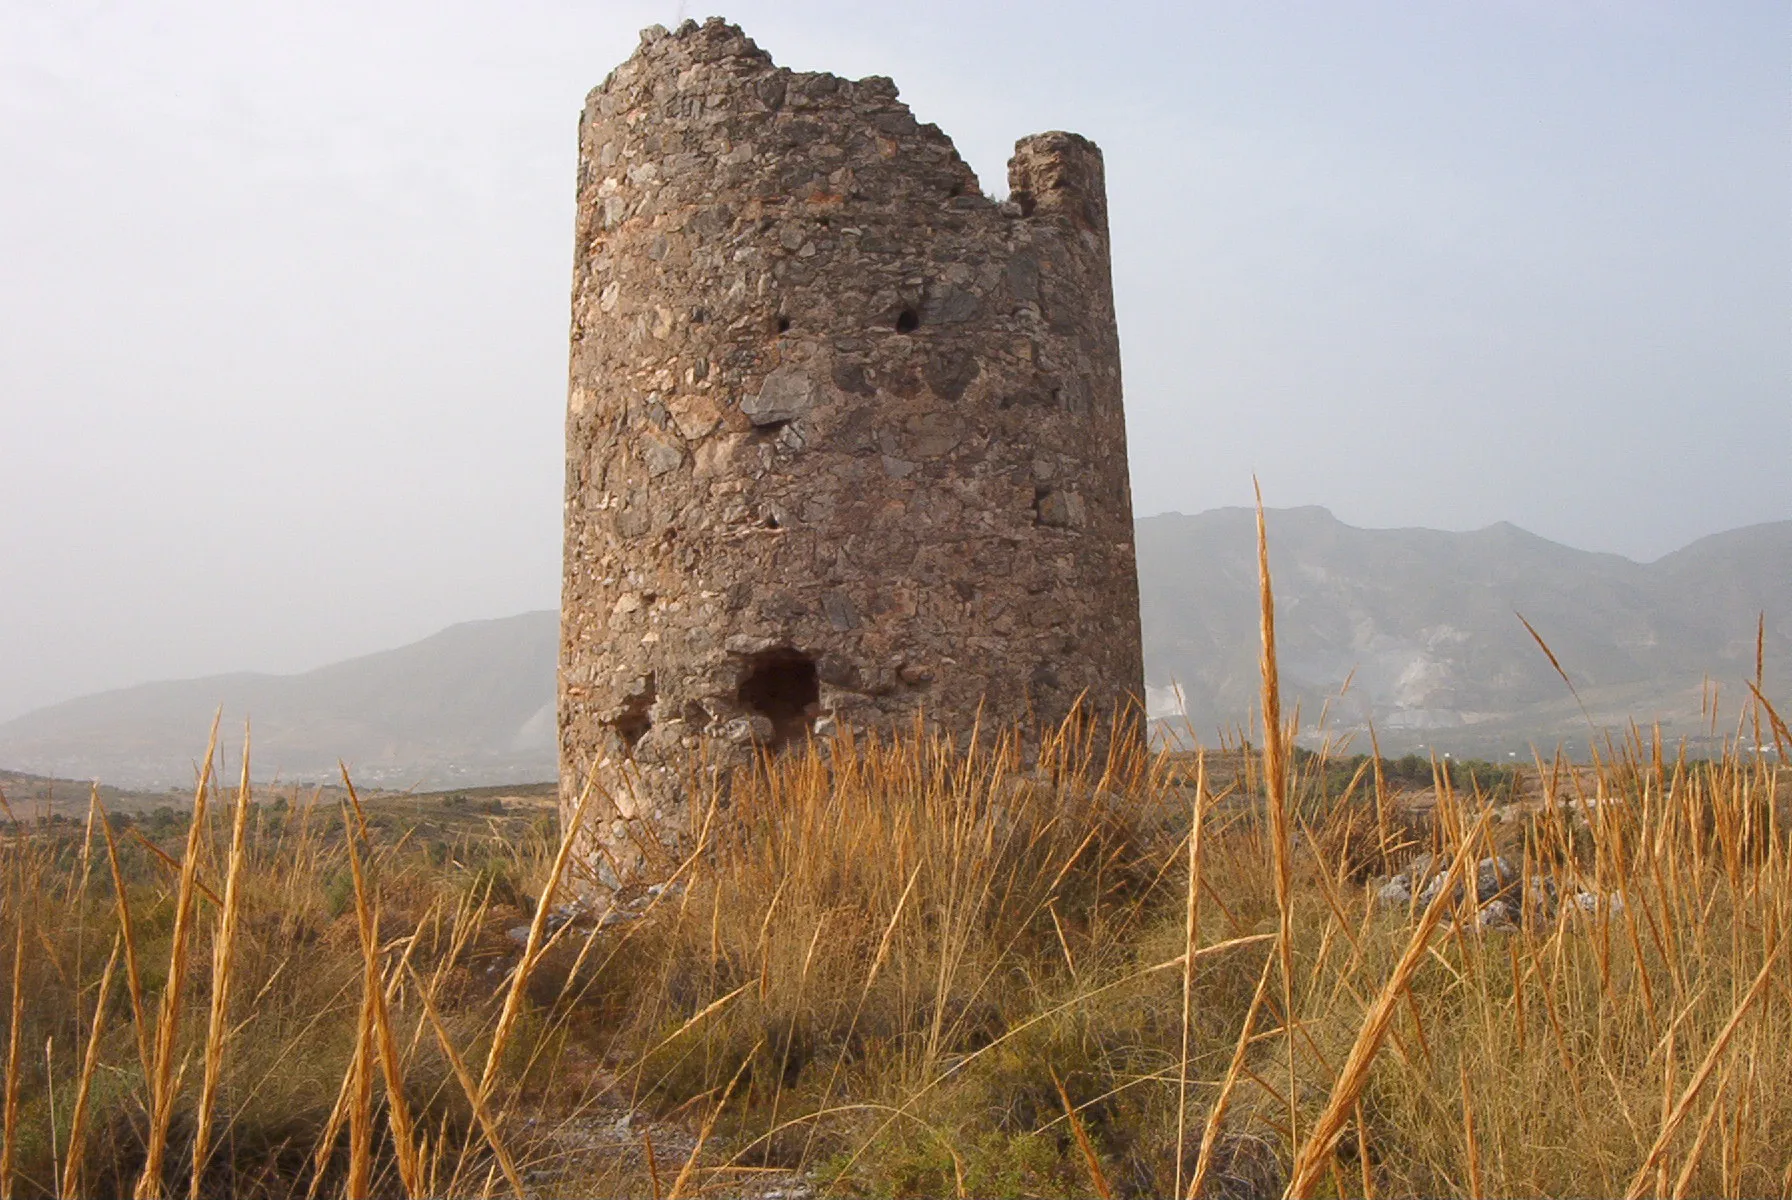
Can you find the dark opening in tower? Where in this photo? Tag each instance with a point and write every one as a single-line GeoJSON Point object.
{"type": "Point", "coordinates": [636, 716]}
{"type": "Point", "coordinates": [781, 686]}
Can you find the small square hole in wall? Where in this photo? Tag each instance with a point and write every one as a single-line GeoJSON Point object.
{"type": "Point", "coordinates": [781, 685]}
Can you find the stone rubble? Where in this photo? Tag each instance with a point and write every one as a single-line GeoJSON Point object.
{"type": "Point", "coordinates": [1502, 895]}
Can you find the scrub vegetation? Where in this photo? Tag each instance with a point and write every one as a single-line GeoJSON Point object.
{"type": "Point", "coordinates": [907, 968]}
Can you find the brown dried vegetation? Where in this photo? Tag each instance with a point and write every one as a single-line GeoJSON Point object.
{"type": "Point", "coordinates": [902, 968]}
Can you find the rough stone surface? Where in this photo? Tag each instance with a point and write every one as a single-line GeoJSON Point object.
{"type": "Point", "coordinates": [1497, 915]}
{"type": "Point", "coordinates": [844, 435]}
{"type": "Point", "coordinates": [1496, 877]}
{"type": "Point", "coordinates": [1395, 893]}
{"type": "Point", "coordinates": [1504, 899]}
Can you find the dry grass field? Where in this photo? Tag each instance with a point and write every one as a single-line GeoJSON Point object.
{"type": "Point", "coordinates": [907, 968]}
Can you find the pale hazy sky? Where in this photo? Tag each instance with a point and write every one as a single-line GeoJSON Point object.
{"type": "Point", "coordinates": [283, 287]}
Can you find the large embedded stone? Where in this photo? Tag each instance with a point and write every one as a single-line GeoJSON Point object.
{"type": "Point", "coordinates": [786, 394]}
{"type": "Point", "coordinates": [1063, 510]}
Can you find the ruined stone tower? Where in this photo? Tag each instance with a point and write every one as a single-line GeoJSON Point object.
{"type": "Point", "coordinates": [844, 435]}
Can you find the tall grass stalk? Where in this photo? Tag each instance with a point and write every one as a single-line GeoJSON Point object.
{"type": "Point", "coordinates": [1275, 783]}
{"type": "Point", "coordinates": [374, 1003]}
{"type": "Point", "coordinates": [162, 1077]}
{"type": "Point", "coordinates": [9, 1122]}
{"type": "Point", "coordinates": [1315, 1153]}
{"type": "Point", "coordinates": [475, 1097]}
{"type": "Point", "coordinates": [70, 1182]}
{"type": "Point", "coordinates": [139, 1017]}
{"type": "Point", "coordinates": [1191, 924]}
{"type": "Point", "coordinates": [223, 947]}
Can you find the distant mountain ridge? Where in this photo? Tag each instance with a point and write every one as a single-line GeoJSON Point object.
{"type": "Point", "coordinates": [472, 704]}
{"type": "Point", "coordinates": [1425, 625]}
{"type": "Point", "coordinates": [1421, 622]}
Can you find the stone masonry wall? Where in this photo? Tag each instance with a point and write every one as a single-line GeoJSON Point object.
{"type": "Point", "coordinates": [844, 436]}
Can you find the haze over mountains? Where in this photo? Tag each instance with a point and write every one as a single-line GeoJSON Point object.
{"type": "Point", "coordinates": [472, 704]}
{"type": "Point", "coordinates": [1422, 622]}
{"type": "Point", "coordinates": [1425, 625]}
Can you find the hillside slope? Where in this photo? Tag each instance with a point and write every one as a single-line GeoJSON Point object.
{"type": "Point", "coordinates": [1426, 627]}
{"type": "Point", "coordinates": [471, 704]}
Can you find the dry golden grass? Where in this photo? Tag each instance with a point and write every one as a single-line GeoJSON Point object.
{"type": "Point", "coordinates": [900, 968]}
{"type": "Point", "coordinates": [913, 967]}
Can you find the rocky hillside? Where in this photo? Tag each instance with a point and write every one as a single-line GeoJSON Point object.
{"type": "Point", "coordinates": [1423, 623]}
{"type": "Point", "coordinates": [1425, 626]}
